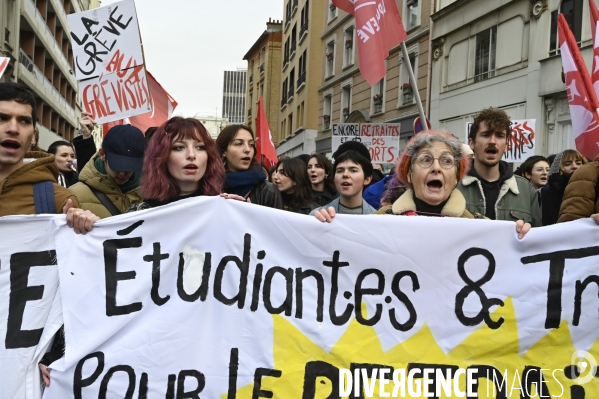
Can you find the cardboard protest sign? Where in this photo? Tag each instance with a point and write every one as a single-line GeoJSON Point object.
{"type": "Point", "coordinates": [3, 64]}
{"type": "Point", "coordinates": [520, 142]}
{"type": "Point", "coordinates": [285, 306]}
{"type": "Point", "coordinates": [30, 309]}
{"type": "Point", "coordinates": [381, 139]}
{"type": "Point", "coordinates": [109, 62]}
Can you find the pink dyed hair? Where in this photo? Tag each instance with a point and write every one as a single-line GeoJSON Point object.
{"type": "Point", "coordinates": [156, 182]}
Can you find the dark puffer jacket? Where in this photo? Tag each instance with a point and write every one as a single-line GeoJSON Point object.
{"type": "Point", "coordinates": [580, 198]}
{"type": "Point", "coordinates": [551, 197]}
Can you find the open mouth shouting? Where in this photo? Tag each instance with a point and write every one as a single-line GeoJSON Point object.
{"type": "Point", "coordinates": [10, 146]}
{"type": "Point", "coordinates": [191, 168]}
{"type": "Point", "coordinates": [491, 152]}
{"type": "Point", "coordinates": [434, 185]}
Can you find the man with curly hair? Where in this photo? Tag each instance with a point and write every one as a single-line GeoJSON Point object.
{"type": "Point", "coordinates": [491, 189]}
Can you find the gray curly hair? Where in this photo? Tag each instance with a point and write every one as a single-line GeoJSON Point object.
{"type": "Point", "coordinates": [428, 138]}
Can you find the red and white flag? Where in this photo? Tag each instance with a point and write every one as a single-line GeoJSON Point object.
{"type": "Point", "coordinates": [162, 109]}
{"type": "Point", "coordinates": [581, 95]}
{"type": "Point", "coordinates": [595, 30]}
{"type": "Point", "coordinates": [264, 145]}
{"type": "Point", "coordinates": [3, 64]}
{"type": "Point", "coordinates": [378, 30]}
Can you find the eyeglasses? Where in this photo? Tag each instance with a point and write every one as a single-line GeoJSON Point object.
{"type": "Point", "coordinates": [425, 161]}
{"type": "Point", "coordinates": [541, 170]}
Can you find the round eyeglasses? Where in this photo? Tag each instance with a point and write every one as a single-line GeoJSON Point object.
{"type": "Point", "coordinates": [425, 161]}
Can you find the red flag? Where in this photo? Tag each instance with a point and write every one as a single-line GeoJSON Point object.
{"type": "Point", "coordinates": [3, 64]}
{"type": "Point", "coordinates": [378, 29]}
{"type": "Point", "coordinates": [163, 106]}
{"type": "Point", "coordinates": [264, 145]}
{"type": "Point", "coordinates": [581, 96]}
{"type": "Point", "coordinates": [595, 30]}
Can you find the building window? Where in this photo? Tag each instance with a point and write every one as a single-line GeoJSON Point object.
{"type": "Point", "coordinates": [293, 41]}
{"type": "Point", "coordinates": [406, 89]}
{"type": "Point", "coordinates": [484, 61]}
{"type": "Point", "coordinates": [301, 77]}
{"type": "Point", "coordinates": [332, 11]}
{"type": "Point", "coordinates": [348, 49]}
{"type": "Point", "coordinates": [290, 123]}
{"type": "Point", "coordinates": [572, 10]}
{"type": "Point", "coordinates": [345, 102]}
{"type": "Point", "coordinates": [412, 13]}
{"type": "Point", "coordinates": [304, 22]}
{"type": "Point", "coordinates": [288, 13]}
{"type": "Point", "coordinates": [291, 84]}
{"type": "Point", "coordinates": [327, 110]}
{"type": "Point", "coordinates": [286, 54]}
{"type": "Point", "coordinates": [330, 59]}
{"type": "Point", "coordinates": [284, 94]}
{"type": "Point", "coordinates": [377, 105]}
{"type": "Point", "coordinates": [262, 59]}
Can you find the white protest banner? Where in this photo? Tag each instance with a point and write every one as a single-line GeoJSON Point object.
{"type": "Point", "coordinates": [381, 139]}
{"type": "Point", "coordinates": [3, 64]}
{"type": "Point", "coordinates": [520, 142]}
{"type": "Point", "coordinates": [109, 62]}
{"type": "Point", "coordinates": [30, 309]}
{"type": "Point", "coordinates": [215, 298]}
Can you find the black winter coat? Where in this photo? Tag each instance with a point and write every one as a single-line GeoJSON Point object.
{"type": "Point", "coordinates": [266, 194]}
{"type": "Point", "coordinates": [551, 197]}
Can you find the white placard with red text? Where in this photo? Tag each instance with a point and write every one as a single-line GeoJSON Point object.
{"type": "Point", "coordinates": [381, 139]}
{"type": "Point", "coordinates": [521, 141]}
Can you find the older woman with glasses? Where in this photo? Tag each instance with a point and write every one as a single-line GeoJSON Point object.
{"type": "Point", "coordinates": [431, 166]}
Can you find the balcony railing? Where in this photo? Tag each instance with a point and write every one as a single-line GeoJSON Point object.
{"type": "Point", "coordinates": [49, 35]}
{"type": "Point", "coordinates": [283, 101]}
{"type": "Point", "coordinates": [290, 94]}
{"type": "Point", "coordinates": [303, 30]}
{"type": "Point", "coordinates": [285, 59]}
{"type": "Point", "coordinates": [292, 49]}
{"type": "Point", "coordinates": [50, 89]}
{"type": "Point", "coordinates": [301, 79]}
{"type": "Point", "coordinates": [251, 78]}
{"type": "Point", "coordinates": [295, 4]}
{"type": "Point", "coordinates": [262, 68]}
{"type": "Point", "coordinates": [249, 112]}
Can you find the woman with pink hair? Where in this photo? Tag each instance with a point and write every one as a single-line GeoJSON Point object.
{"type": "Point", "coordinates": [431, 166]}
{"type": "Point", "coordinates": [181, 161]}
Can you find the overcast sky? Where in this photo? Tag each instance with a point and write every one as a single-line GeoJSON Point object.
{"type": "Point", "coordinates": [188, 44]}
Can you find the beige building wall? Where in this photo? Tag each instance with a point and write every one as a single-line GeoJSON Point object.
{"type": "Point", "coordinates": [36, 39]}
{"type": "Point", "coordinates": [343, 87]}
{"type": "Point", "coordinates": [264, 77]}
{"type": "Point", "coordinates": [300, 77]}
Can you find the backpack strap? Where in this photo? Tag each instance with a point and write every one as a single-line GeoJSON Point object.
{"type": "Point", "coordinates": [108, 204]}
{"type": "Point", "coordinates": [43, 196]}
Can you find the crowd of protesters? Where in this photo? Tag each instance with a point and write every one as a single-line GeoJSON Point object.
{"type": "Point", "coordinates": [436, 175]}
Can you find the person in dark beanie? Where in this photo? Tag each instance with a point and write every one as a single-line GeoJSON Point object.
{"type": "Point", "coordinates": [362, 150]}
{"type": "Point", "coordinates": [109, 182]}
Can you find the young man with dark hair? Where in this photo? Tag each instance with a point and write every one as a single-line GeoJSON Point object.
{"type": "Point", "coordinates": [353, 172]}
{"type": "Point", "coordinates": [490, 188]}
{"type": "Point", "coordinates": [21, 180]}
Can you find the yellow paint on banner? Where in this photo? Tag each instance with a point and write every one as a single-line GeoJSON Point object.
{"type": "Point", "coordinates": [360, 344]}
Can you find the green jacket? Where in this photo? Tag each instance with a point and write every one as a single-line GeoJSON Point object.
{"type": "Point", "coordinates": [518, 200]}
{"type": "Point", "coordinates": [90, 176]}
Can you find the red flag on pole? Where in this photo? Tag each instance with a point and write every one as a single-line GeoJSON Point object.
{"type": "Point", "coordinates": [581, 95]}
{"type": "Point", "coordinates": [378, 29]}
{"type": "Point", "coordinates": [264, 145]}
{"type": "Point", "coordinates": [595, 30]}
{"type": "Point", "coordinates": [163, 107]}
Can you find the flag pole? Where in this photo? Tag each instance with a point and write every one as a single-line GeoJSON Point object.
{"type": "Point", "coordinates": [406, 58]}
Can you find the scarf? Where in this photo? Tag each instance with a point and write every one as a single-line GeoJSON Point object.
{"type": "Point", "coordinates": [131, 184]}
{"type": "Point", "coordinates": [241, 183]}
